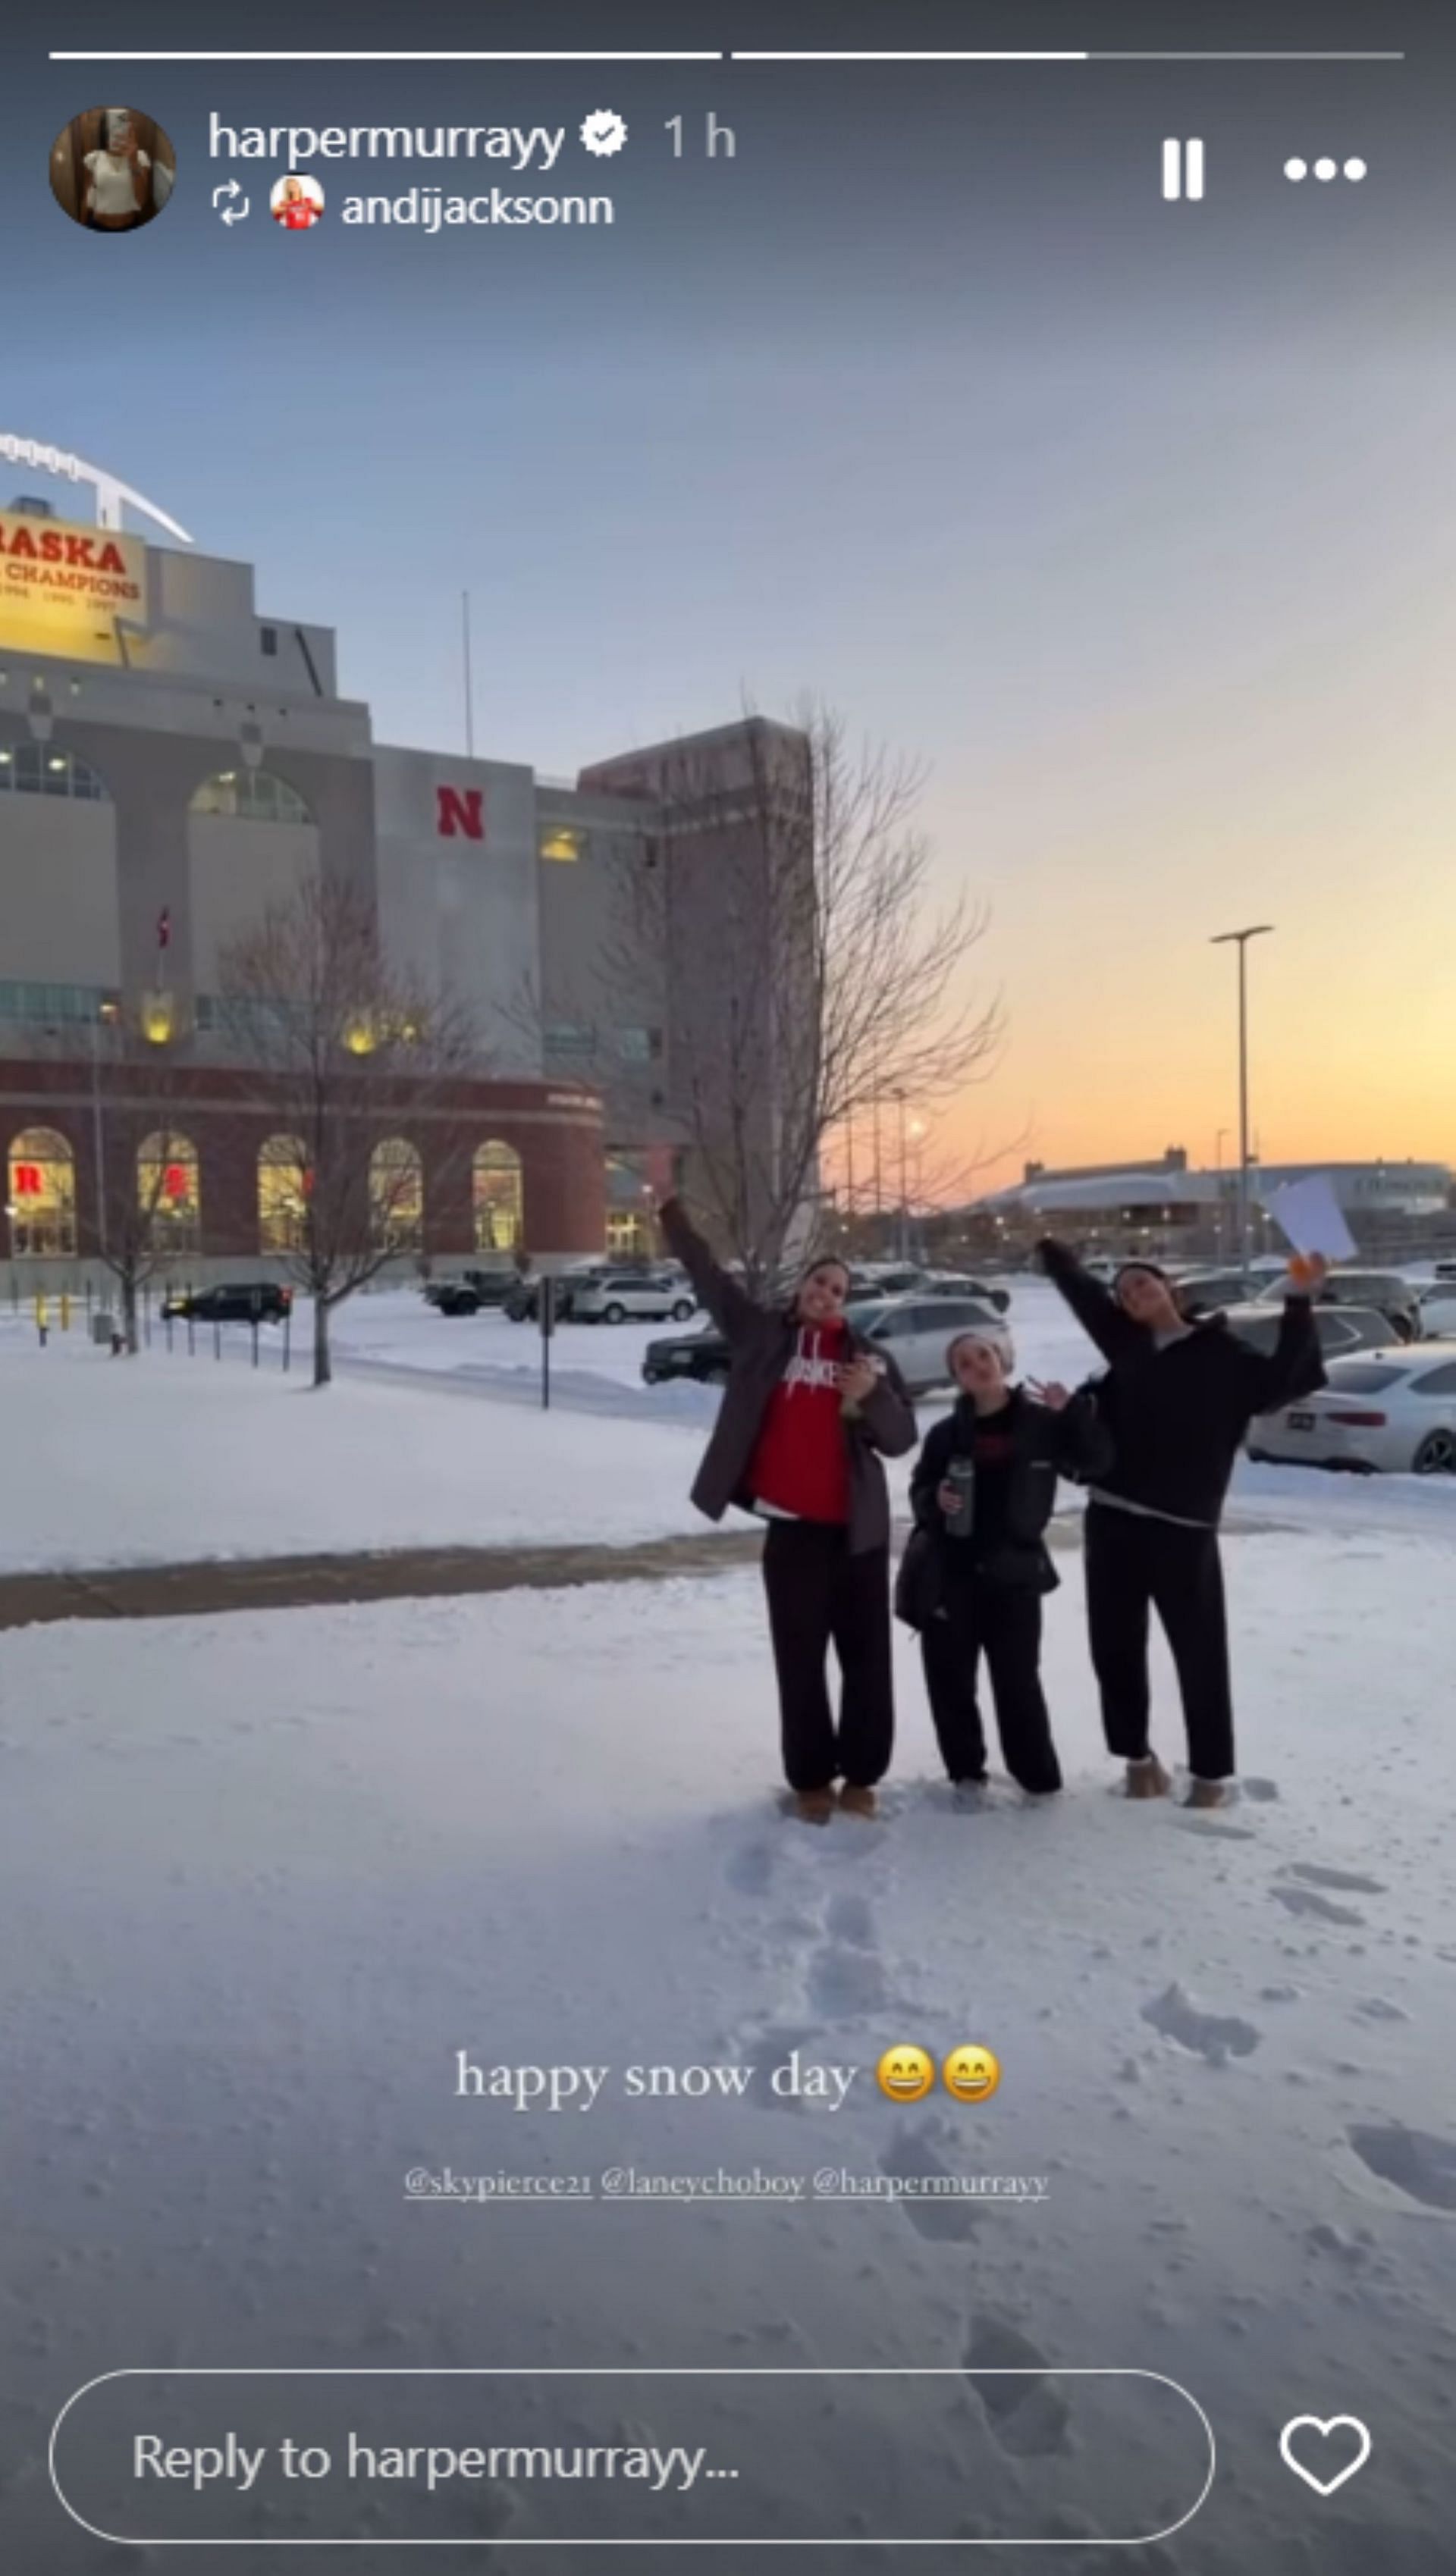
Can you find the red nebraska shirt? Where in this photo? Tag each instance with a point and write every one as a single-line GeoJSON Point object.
{"type": "Point", "coordinates": [298, 213]}
{"type": "Point", "coordinates": [800, 1464]}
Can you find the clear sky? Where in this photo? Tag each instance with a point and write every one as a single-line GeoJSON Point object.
{"type": "Point", "coordinates": [1133, 520]}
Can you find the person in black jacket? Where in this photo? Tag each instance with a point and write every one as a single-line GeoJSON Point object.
{"type": "Point", "coordinates": [1177, 1400]}
{"type": "Point", "coordinates": [981, 1592]}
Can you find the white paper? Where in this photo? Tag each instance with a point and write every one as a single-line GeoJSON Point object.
{"type": "Point", "coordinates": [1308, 1213]}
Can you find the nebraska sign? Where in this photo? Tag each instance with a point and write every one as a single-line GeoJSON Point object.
{"type": "Point", "coordinates": [460, 811]}
{"type": "Point", "coordinates": [55, 575]}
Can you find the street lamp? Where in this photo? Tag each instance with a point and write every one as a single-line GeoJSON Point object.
{"type": "Point", "coordinates": [1241, 939]}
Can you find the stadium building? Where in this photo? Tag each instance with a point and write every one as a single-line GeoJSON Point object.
{"type": "Point", "coordinates": [1393, 1209]}
{"type": "Point", "coordinates": [174, 759]}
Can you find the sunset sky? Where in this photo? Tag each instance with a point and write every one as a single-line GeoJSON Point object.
{"type": "Point", "coordinates": [1134, 521]}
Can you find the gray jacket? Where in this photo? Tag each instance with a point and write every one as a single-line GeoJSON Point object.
{"type": "Point", "coordinates": [761, 1343]}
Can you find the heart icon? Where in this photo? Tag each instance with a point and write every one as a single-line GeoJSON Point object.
{"type": "Point", "coordinates": [1325, 2426]}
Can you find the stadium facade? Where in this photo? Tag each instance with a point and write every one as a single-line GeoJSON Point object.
{"type": "Point", "coordinates": [174, 760]}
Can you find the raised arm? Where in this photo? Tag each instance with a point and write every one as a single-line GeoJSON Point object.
{"type": "Point", "coordinates": [1095, 1307]}
{"type": "Point", "coordinates": [729, 1304]}
{"type": "Point", "coordinates": [1295, 1366]}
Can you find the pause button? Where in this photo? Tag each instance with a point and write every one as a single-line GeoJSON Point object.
{"type": "Point", "coordinates": [1183, 168]}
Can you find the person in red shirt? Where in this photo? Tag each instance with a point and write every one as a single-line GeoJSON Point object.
{"type": "Point", "coordinates": [296, 208]}
{"type": "Point", "coordinates": [808, 1414]}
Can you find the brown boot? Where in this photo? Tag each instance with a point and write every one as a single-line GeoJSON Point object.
{"type": "Point", "coordinates": [857, 1801]}
{"type": "Point", "coordinates": [1148, 1779]}
{"type": "Point", "coordinates": [1207, 1793]}
{"type": "Point", "coordinates": [814, 1806]}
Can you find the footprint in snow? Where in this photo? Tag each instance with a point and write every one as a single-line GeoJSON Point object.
{"type": "Point", "coordinates": [750, 1869]}
{"type": "Point", "coordinates": [1212, 2036]}
{"type": "Point", "coordinates": [844, 1980]}
{"type": "Point", "coordinates": [1211, 1833]}
{"type": "Point", "coordinates": [911, 2157]}
{"type": "Point", "coordinates": [1421, 2166]}
{"type": "Point", "coordinates": [1025, 2414]}
{"type": "Point", "coordinates": [849, 1918]}
{"type": "Point", "coordinates": [1305, 1900]}
{"type": "Point", "coordinates": [1347, 1879]}
{"type": "Point", "coordinates": [1263, 1792]}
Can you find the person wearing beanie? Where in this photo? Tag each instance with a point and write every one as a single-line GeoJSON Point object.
{"type": "Point", "coordinates": [808, 1414]}
{"type": "Point", "coordinates": [1178, 1397]}
{"type": "Point", "coordinates": [977, 1566]}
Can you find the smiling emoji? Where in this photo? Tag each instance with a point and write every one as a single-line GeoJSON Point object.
{"type": "Point", "coordinates": [971, 2073]}
{"type": "Point", "coordinates": [906, 2074]}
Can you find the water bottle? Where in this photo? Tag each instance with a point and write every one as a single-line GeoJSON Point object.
{"type": "Point", "coordinates": [961, 1473]}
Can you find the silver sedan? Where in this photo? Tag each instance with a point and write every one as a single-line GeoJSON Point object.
{"type": "Point", "coordinates": [1390, 1412]}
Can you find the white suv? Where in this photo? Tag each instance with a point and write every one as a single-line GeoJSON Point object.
{"type": "Point", "coordinates": [648, 1294]}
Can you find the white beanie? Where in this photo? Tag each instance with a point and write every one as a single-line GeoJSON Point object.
{"type": "Point", "coordinates": [996, 1337]}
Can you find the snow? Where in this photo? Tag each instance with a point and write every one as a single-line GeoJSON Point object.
{"type": "Point", "coordinates": [174, 1456]}
{"type": "Point", "coordinates": [265, 1875]}
{"type": "Point", "coordinates": [310, 1856]}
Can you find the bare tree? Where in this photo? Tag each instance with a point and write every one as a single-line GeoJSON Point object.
{"type": "Point", "coordinates": [787, 892]}
{"type": "Point", "coordinates": [347, 1053]}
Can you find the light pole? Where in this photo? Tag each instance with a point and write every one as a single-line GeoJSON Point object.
{"type": "Point", "coordinates": [1241, 939]}
{"type": "Point", "coordinates": [1218, 1167]}
{"type": "Point", "coordinates": [899, 1098]}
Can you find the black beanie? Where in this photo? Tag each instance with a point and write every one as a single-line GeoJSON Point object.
{"type": "Point", "coordinates": [1154, 1268]}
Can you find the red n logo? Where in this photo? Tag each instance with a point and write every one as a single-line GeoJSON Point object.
{"type": "Point", "coordinates": [459, 810]}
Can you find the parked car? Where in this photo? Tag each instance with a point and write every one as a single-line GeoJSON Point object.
{"type": "Point", "coordinates": [523, 1305]}
{"type": "Point", "coordinates": [1343, 1330]}
{"type": "Point", "coordinates": [702, 1358]}
{"type": "Point", "coordinates": [1390, 1412]}
{"type": "Point", "coordinates": [619, 1295]}
{"type": "Point", "coordinates": [1438, 1308]}
{"type": "Point", "coordinates": [1208, 1292]}
{"type": "Point", "coordinates": [949, 1283]}
{"type": "Point", "coordinates": [1385, 1290]}
{"type": "Point", "coordinates": [472, 1290]}
{"type": "Point", "coordinates": [915, 1331]}
{"type": "Point", "coordinates": [884, 1278]}
{"type": "Point", "coordinates": [233, 1302]}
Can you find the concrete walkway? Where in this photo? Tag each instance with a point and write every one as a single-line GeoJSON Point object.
{"type": "Point", "coordinates": [201, 1587]}
{"type": "Point", "coordinates": [392, 1574]}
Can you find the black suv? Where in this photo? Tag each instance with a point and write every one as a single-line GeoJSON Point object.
{"type": "Point", "coordinates": [702, 1357]}
{"type": "Point", "coordinates": [472, 1290]}
{"type": "Point", "coordinates": [235, 1302]}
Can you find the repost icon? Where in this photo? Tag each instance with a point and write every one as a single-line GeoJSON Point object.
{"type": "Point", "coordinates": [225, 197]}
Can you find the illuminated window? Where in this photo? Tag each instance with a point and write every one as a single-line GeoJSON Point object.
{"type": "Point", "coordinates": [283, 1186]}
{"type": "Point", "coordinates": [34, 769]}
{"type": "Point", "coordinates": [630, 1231]}
{"type": "Point", "coordinates": [397, 1195]}
{"type": "Point", "coordinates": [498, 1198]}
{"type": "Point", "coordinates": [169, 1192]}
{"type": "Point", "coordinates": [41, 1200]}
{"type": "Point", "coordinates": [560, 841]}
{"type": "Point", "coordinates": [250, 796]}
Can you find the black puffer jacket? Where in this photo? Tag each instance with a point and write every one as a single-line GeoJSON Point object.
{"type": "Point", "coordinates": [1044, 1445]}
{"type": "Point", "coordinates": [1177, 1415]}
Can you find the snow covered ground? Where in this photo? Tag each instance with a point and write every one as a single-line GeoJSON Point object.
{"type": "Point", "coordinates": [263, 1877]}
{"type": "Point", "coordinates": [275, 1871]}
{"type": "Point", "coordinates": [174, 1456]}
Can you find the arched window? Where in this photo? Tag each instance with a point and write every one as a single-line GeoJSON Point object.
{"type": "Point", "coordinates": [629, 1207]}
{"type": "Point", "coordinates": [397, 1194]}
{"type": "Point", "coordinates": [283, 1185]}
{"type": "Point", "coordinates": [250, 796]}
{"type": "Point", "coordinates": [169, 1191]}
{"type": "Point", "coordinates": [496, 1183]}
{"type": "Point", "coordinates": [41, 1198]}
{"type": "Point", "coordinates": [36, 769]}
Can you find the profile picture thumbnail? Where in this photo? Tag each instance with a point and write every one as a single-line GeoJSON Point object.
{"type": "Point", "coordinates": [296, 203]}
{"type": "Point", "coordinates": [112, 169]}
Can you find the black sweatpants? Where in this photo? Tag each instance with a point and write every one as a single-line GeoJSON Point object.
{"type": "Point", "coordinates": [1003, 1622]}
{"type": "Point", "coordinates": [1134, 1565]}
{"type": "Point", "coordinates": [819, 1595]}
